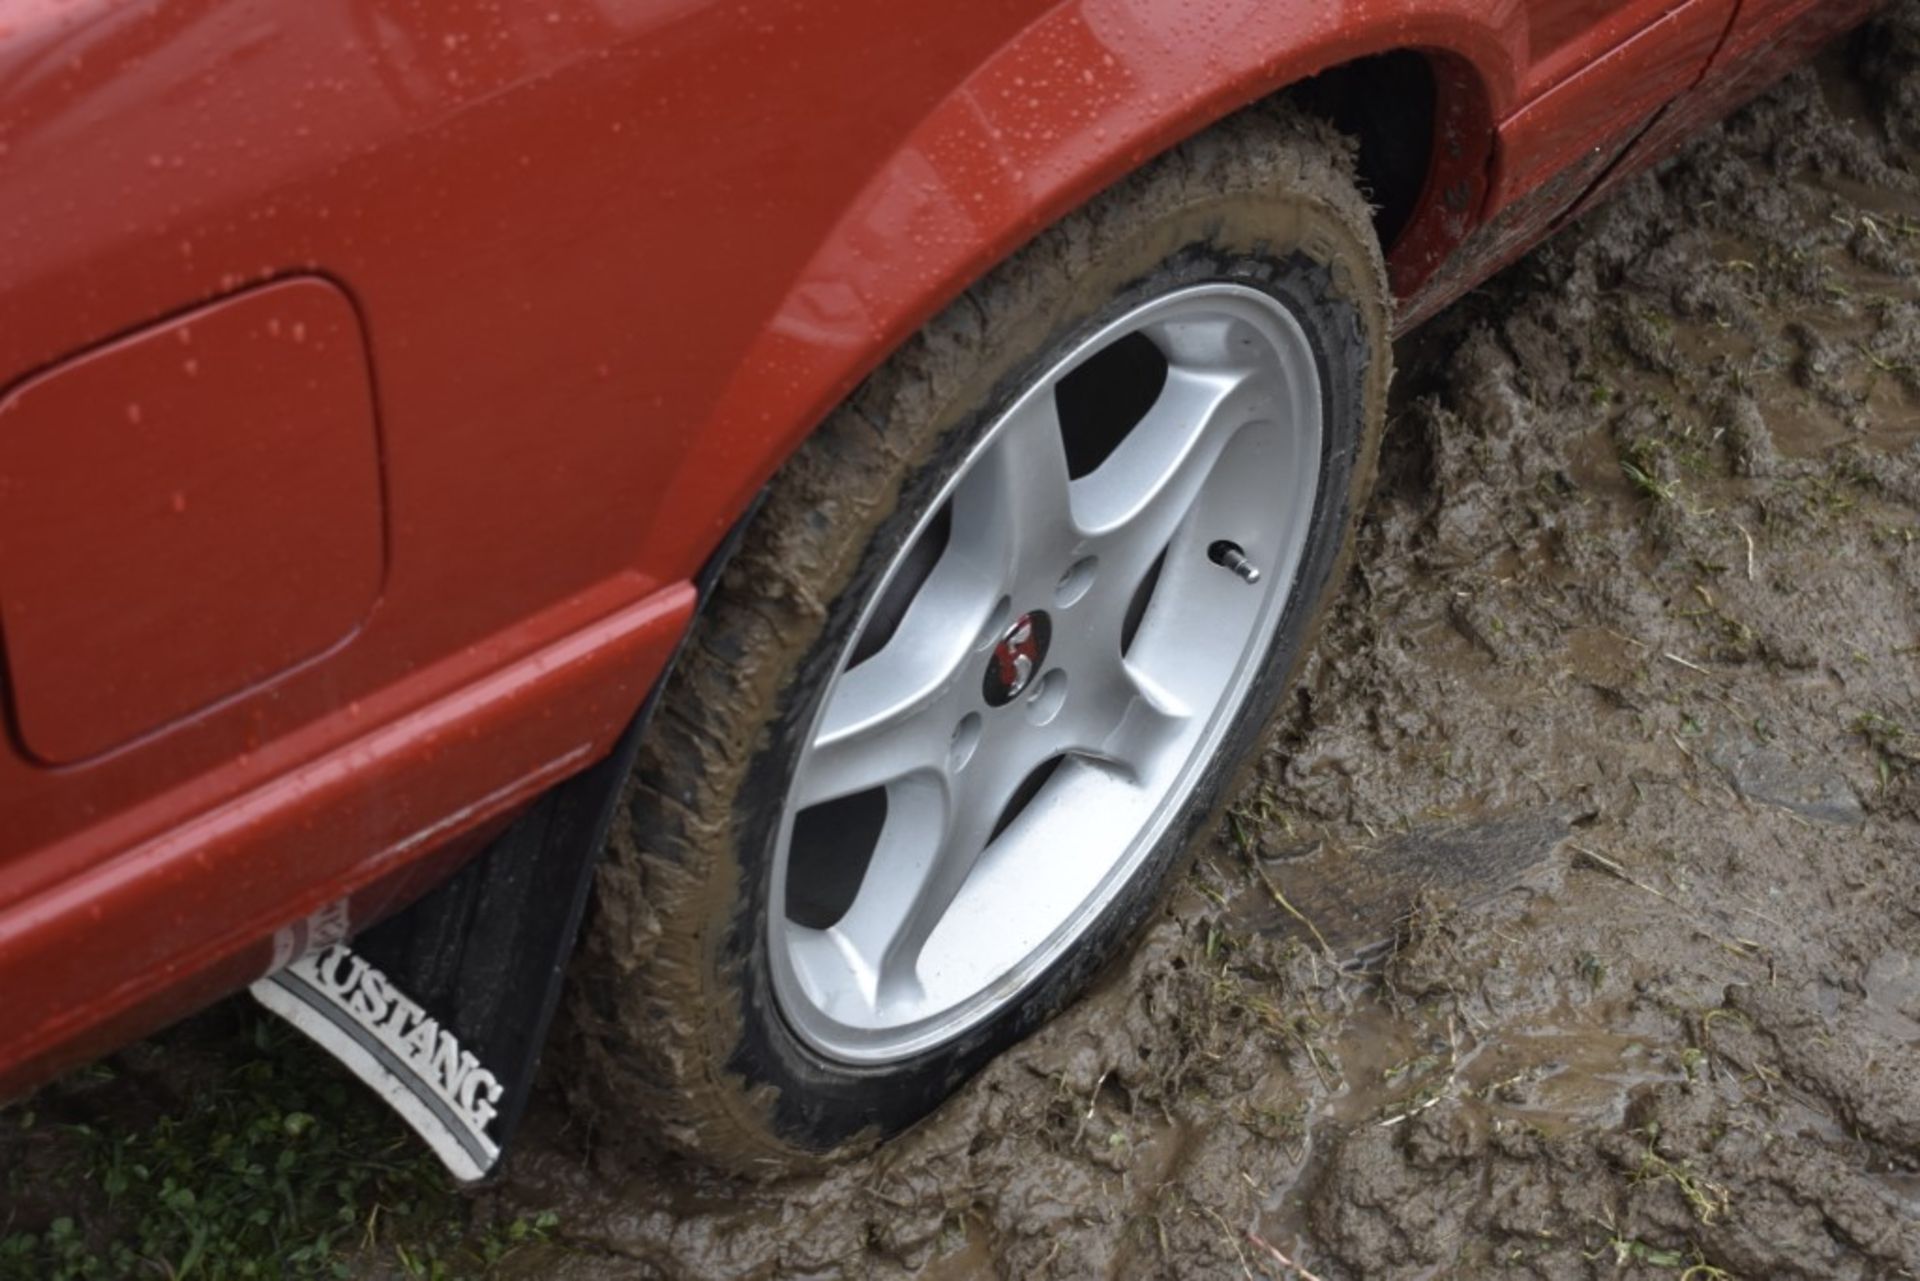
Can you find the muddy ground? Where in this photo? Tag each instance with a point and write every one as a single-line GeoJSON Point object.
{"type": "Point", "coordinates": [1571, 924]}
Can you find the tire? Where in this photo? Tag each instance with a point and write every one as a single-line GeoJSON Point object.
{"type": "Point", "coordinates": [676, 1025]}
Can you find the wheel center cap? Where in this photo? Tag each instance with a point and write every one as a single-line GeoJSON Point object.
{"type": "Point", "coordinates": [1016, 658]}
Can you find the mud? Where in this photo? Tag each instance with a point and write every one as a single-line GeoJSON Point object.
{"type": "Point", "coordinates": [1603, 783]}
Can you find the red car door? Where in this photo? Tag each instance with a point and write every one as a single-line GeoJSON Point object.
{"type": "Point", "coordinates": [1601, 70]}
{"type": "Point", "coordinates": [1771, 37]}
{"type": "Point", "coordinates": [1598, 73]}
{"type": "Point", "coordinates": [1567, 36]}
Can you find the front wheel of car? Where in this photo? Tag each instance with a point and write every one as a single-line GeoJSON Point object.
{"type": "Point", "coordinates": [989, 659]}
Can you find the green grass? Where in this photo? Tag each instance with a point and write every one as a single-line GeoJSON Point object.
{"type": "Point", "coordinates": [249, 1156]}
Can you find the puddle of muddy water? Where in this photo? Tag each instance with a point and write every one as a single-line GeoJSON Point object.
{"type": "Point", "coordinates": [1351, 901]}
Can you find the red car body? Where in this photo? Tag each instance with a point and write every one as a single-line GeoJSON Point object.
{"type": "Point", "coordinates": [377, 377]}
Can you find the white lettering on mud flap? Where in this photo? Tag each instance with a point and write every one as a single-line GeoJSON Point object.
{"type": "Point", "coordinates": [358, 1015]}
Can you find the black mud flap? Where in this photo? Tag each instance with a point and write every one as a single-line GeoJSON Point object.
{"type": "Point", "coordinates": [443, 1008]}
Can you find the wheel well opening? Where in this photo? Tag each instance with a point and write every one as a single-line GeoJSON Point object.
{"type": "Point", "coordinates": [1387, 102]}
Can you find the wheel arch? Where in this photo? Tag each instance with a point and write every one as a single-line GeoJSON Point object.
{"type": "Point", "coordinates": [1088, 92]}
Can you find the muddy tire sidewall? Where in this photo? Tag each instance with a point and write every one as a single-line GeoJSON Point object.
{"type": "Point", "coordinates": [738, 1086]}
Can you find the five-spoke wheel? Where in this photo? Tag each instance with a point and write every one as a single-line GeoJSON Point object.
{"type": "Point", "coordinates": [1043, 668]}
{"type": "Point", "coordinates": [990, 657]}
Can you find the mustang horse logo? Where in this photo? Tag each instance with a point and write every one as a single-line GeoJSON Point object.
{"type": "Point", "coordinates": [1017, 657]}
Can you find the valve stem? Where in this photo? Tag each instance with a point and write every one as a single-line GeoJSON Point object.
{"type": "Point", "coordinates": [1229, 556]}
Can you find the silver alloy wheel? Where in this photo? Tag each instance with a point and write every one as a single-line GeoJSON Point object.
{"type": "Point", "coordinates": [1061, 656]}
